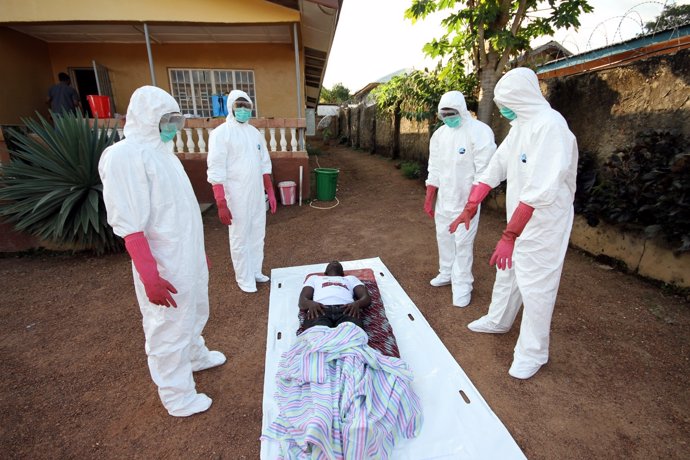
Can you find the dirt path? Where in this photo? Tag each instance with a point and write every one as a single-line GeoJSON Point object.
{"type": "Point", "coordinates": [75, 382]}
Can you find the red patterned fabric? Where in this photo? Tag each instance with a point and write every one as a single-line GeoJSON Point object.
{"type": "Point", "coordinates": [376, 323]}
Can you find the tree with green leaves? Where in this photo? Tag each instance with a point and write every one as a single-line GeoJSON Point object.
{"type": "Point", "coordinates": [415, 95]}
{"type": "Point", "coordinates": [671, 16]}
{"type": "Point", "coordinates": [336, 95]}
{"type": "Point", "coordinates": [490, 32]}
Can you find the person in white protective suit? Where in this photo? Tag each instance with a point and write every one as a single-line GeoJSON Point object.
{"type": "Point", "coordinates": [239, 169]}
{"type": "Point", "coordinates": [151, 204]}
{"type": "Point", "coordinates": [539, 160]}
{"type": "Point", "coordinates": [458, 152]}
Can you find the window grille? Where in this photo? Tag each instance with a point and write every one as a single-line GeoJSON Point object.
{"type": "Point", "coordinates": [193, 88]}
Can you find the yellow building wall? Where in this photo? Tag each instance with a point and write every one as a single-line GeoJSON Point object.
{"type": "Point", "coordinates": [273, 66]}
{"type": "Point", "coordinates": [210, 11]}
{"type": "Point", "coordinates": [25, 77]}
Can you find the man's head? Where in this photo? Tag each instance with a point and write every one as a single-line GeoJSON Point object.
{"type": "Point", "coordinates": [240, 105]}
{"type": "Point", "coordinates": [517, 94]}
{"type": "Point", "coordinates": [63, 77]}
{"type": "Point", "coordinates": [334, 269]}
{"type": "Point", "coordinates": [151, 111]}
{"type": "Point", "coordinates": [452, 109]}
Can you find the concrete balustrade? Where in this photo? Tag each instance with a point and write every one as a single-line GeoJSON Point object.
{"type": "Point", "coordinates": [285, 139]}
{"type": "Point", "coordinates": [281, 134]}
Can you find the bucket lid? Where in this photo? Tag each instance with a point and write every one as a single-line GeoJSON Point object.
{"type": "Point", "coordinates": [286, 183]}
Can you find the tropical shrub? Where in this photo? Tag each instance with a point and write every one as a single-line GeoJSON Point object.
{"type": "Point", "coordinates": [51, 187]}
{"type": "Point", "coordinates": [646, 187]}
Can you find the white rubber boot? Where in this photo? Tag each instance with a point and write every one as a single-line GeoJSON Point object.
{"type": "Point", "coordinates": [213, 359]}
{"type": "Point", "coordinates": [199, 403]}
{"type": "Point", "coordinates": [484, 324]}
{"type": "Point", "coordinates": [440, 280]}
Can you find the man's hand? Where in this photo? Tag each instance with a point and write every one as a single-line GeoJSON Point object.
{"type": "Point", "coordinates": [477, 194]}
{"type": "Point", "coordinates": [315, 310]}
{"type": "Point", "coordinates": [222, 204]}
{"type": "Point", "coordinates": [429, 200]}
{"type": "Point", "coordinates": [503, 254]}
{"type": "Point", "coordinates": [272, 204]}
{"type": "Point", "coordinates": [268, 186]}
{"type": "Point", "coordinates": [159, 291]}
{"type": "Point", "coordinates": [224, 213]}
{"type": "Point", "coordinates": [352, 309]}
{"type": "Point", "coordinates": [465, 217]}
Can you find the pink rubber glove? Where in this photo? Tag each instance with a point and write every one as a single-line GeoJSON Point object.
{"type": "Point", "coordinates": [503, 254]}
{"type": "Point", "coordinates": [268, 186]}
{"type": "Point", "coordinates": [157, 289]}
{"type": "Point", "coordinates": [429, 200]}
{"type": "Point", "coordinates": [477, 194]}
{"type": "Point", "coordinates": [223, 211]}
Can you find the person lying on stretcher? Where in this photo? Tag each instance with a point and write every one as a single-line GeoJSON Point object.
{"type": "Point", "coordinates": [333, 298]}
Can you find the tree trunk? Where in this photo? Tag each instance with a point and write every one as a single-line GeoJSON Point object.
{"type": "Point", "coordinates": [488, 77]}
{"type": "Point", "coordinates": [396, 132]}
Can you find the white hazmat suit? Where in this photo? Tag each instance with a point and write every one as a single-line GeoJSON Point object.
{"type": "Point", "coordinates": [146, 189]}
{"type": "Point", "coordinates": [539, 160]}
{"type": "Point", "coordinates": [456, 157]}
{"type": "Point", "coordinates": [237, 159]}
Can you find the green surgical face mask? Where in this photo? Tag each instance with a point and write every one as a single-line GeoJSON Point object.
{"type": "Point", "coordinates": [507, 113]}
{"type": "Point", "coordinates": [453, 122]}
{"type": "Point", "coordinates": [242, 115]}
{"type": "Point", "coordinates": [168, 134]}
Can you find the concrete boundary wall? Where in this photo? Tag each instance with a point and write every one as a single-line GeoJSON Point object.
{"type": "Point", "coordinates": [640, 255]}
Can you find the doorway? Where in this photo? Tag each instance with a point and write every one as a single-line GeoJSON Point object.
{"type": "Point", "coordinates": [84, 81]}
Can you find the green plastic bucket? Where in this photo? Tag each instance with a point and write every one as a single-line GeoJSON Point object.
{"type": "Point", "coordinates": [326, 181]}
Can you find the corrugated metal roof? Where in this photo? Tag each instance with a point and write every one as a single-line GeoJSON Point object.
{"type": "Point", "coordinates": [628, 45]}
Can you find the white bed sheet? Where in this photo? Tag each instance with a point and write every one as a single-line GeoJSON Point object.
{"type": "Point", "coordinates": [452, 428]}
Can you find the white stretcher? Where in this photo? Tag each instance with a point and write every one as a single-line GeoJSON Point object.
{"type": "Point", "coordinates": [458, 423]}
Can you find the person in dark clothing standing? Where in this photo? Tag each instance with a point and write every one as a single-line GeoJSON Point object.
{"type": "Point", "coordinates": [62, 98]}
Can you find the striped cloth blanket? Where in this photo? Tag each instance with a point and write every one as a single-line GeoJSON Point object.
{"type": "Point", "coordinates": [341, 399]}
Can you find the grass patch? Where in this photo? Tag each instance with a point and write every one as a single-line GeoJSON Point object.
{"type": "Point", "coordinates": [411, 169]}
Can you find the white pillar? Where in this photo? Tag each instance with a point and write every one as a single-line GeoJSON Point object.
{"type": "Point", "coordinates": [283, 140]}
{"type": "Point", "coordinates": [190, 140]}
{"type": "Point", "coordinates": [273, 139]}
{"type": "Point", "coordinates": [201, 143]}
{"type": "Point", "coordinates": [293, 139]}
{"type": "Point", "coordinates": [179, 145]}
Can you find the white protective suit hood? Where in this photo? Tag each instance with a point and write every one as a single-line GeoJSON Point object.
{"type": "Point", "coordinates": [455, 100]}
{"type": "Point", "coordinates": [146, 107]}
{"type": "Point", "coordinates": [519, 91]}
{"type": "Point", "coordinates": [232, 97]}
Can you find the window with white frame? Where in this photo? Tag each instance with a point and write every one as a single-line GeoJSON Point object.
{"type": "Point", "coordinates": [193, 88]}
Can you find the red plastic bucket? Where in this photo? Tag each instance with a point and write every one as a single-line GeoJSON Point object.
{"type": "Point", "coordinates": [100, 106]}
{"type": "Point", "coordinates": [288, 191]}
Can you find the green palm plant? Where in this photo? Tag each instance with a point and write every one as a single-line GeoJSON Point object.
{"type": "Point", "coordinates": [51, 188]}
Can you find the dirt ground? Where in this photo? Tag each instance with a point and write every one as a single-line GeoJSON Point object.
{"type": "Point", "coordinates": [75, 382]}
